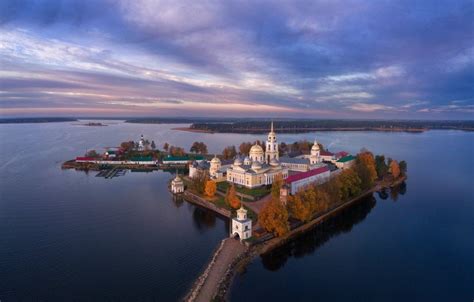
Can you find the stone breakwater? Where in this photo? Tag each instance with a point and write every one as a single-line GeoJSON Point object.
{"type": "Point", "coordinates": [229, 252]}
{"type": "Point", "coordinates": [200, 281]}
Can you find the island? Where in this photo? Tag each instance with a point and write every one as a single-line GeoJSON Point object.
{"type": "Point", "coordinates": [270, 191]}
{"type": "Point", "coordinates": [273, 192]}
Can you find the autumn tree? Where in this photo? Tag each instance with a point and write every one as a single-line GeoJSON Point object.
{"type": "Point", "coordinates": [308, 202]}
{"type": "Point", "coordinates": [146, 144]}
{"type": "Point", "coordinates": [198, 147]}
{"type": "Point", "coordinates": [276, 186]}
{"type": "Point", "coordinates": [394, 169]}
{"type": "Point", "coordinates": [231, 197]}
{"type": "Point", "coordinates": [274, 218]}
{"type": "Point", "coordinates": [302, 147]}
{"type": "Point", "coordinates": [350, 184]}
{"type": "Point", "coordinates": [127, 146]}
{"type": "Point", "coordinates": [244, 147]}
{"type": "Point", "coordinates": [166, 147]}
{"type": "Point", "coordinates": [299, 208]}
{"type": "Point", "coordinates": [199, 181]}
{"type": "Point", "coordinates": [365, 168]}
{"type": "Point", "coordinates": [229, 152]}
{"type": "Point", "coordinates": [332, 189]}
{"type": "Point", "coordinates": [176, 151]}
{"type": "Point", "coordinates": [210, 188]}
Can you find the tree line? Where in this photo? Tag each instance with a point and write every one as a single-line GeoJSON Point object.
{"type": "Point", "coordinates": [294, 126]}
{"type": "Point", "coordinates": [314, 200]}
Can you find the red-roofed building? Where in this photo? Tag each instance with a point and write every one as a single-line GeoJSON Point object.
{"type": "Point", "coordinates": [316, 176]}
{"type": "Point", "coordinates": [340, 154]}
{"type": "Point", "coordinates": [326, 155]}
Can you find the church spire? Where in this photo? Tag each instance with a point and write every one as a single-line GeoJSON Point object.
{"type": "Point", "coordinates": [271, 127]}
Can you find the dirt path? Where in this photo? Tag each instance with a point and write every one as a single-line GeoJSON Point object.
{"type": "Point", "coordinates": [208, 283]}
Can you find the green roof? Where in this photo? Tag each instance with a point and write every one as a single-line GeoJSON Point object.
{"type": "Point", "coordinates": [141, 158]}
{"type": "Point", "coordinates": [346, 159]}
{"type": "Point", "coordinates": [111, 151]}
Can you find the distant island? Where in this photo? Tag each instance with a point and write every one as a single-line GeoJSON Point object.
{"type": "Point", "coordinates": [291, 125]}
{"type": "Point", "coordinates": [92, 124]}
{"type": "Point", "coordinates": [27, 120]}
{"type": "Point", "coordinates": [299, 126]}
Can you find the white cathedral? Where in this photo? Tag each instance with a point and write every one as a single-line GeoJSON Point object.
{"type": "Point", "coordinates": [258, 168]}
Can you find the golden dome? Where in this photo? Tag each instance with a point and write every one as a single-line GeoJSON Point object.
{"type": "Point", "coordinates": [315, 146]}
{"type": "Point", "coordinates": [256, 149]}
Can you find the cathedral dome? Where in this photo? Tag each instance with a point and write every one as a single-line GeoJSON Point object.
{"type": "Point", "coordinates": [256, 165]}
{"type": "Point", "coordinates": [315, 146]}
{"type": "Point", "coordinates": [247, 161]}
{"type": "Point", "coordinates": [215, 160]}
{"type": "Point", "coordinates": [237, 161]}
{"type": "Point", "coordinates": [256, 150]}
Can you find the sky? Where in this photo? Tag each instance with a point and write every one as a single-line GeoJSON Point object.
{"type": "Point", "coordinates": [312, 59]}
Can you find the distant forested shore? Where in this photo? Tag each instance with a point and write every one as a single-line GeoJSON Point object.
{"type": "Point", "coordinates": [298, 126]}
{"type": "Point", "coordinates": [25, 120]}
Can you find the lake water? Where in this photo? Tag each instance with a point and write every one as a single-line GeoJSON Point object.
{"type": "Point", "coordinates": [70, 235]}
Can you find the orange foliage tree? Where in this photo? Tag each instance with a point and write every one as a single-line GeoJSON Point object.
{"type": "Point", "coordinates": [394, 168]}
{"type": "Point", "coordinates": [307, 203]}
{"type": "Point", "coordinates": [231, 198]}
{"type": "Point", "coordinates": [210, 188]}
{"type": "Point", "coordinates": [274, 218]}
{"type": "Point", "coordinates": [366, 169]}
{"type": "Point", "coordinates": [300, 208]}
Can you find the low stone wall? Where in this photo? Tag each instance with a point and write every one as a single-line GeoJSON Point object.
{"type": "Point", "coordinates": [193, 198]}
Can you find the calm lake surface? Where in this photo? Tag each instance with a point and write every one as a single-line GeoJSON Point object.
{"type": "Point", "coordinates": [70, 235]}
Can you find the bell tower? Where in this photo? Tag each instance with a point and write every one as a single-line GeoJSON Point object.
{"type": "Point", "coordinates": [271, 150]}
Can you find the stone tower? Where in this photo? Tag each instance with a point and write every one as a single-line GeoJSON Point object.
{"type": "Point", "coordinates": [241, 225]}
{"type": "Point", "coordinates": [271, 150]}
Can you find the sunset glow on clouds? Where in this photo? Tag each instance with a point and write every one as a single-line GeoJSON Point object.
{"type": "Point", "coordinates": [321, 59]}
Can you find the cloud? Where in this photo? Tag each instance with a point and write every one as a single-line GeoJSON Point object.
{"type": "Point", "coordinates": [326, 58]}
{"type": "Point", "coordinates": [364, 107]}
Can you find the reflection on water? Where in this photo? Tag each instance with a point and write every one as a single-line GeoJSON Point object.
{"type": "Point", "coordinates": [393, 192]}
{"type": "Point", "coordinates": [203, 219]}
{"type": "Point", "coordinates": [308, 243]}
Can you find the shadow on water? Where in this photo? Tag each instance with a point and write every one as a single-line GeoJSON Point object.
{"type": "Point", "coordinates": [308, 243]}
{"type": "Point", "coordinates": [393, 192]}
{"type": "Point", "coordinates": [206, 219]}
